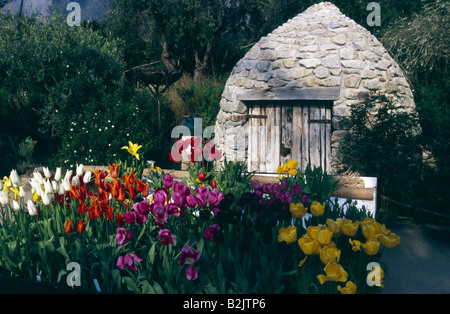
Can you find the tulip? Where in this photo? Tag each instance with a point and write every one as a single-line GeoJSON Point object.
{"type": "Point", "coordinates": [350, 288]}
{"type": "Point", "coordinates": [46, 199]}
{"type": "Point", "coordinates": [68, 175]}
{"type": "Point", "coordinates": [113, 171]}
{"type": "Point", "coordinates": [127, 261]}
{"type": "Point", "coordinates": [209, 233]}
{"type": "Point", "coordinates": [32, 210]}
{"type": "Point", "coordinates": [68, 226]}
{"type": "Point", "coordinates": [81, 226]}
{"type": "Point", "coordinates": [335, 225]}
{"type": "Point", "coordinates": [190, 257]}
{"type": "Point", "coordinates": [123, 236]}
{"type": "Point", "coordinates": [166, 237]}
{"type": "Point", "coordinates": [87, 177]}
{"type": "Point", "coordinates": [317, 209]}
{"type": "Point", "coordinates": [14, 177]}
{"type": "Point", "coordinates": [329, 255]}
{"type": "Point", "coordinates": [80, 170]}
{"type": "Point", "coordinates": [349, 228]}
{"type": "Point", "coordinates": [371, 247]}
{"type": "Point", "coordinates": [47, 173]}
{"type": "Point", "coordinates": [356, 245]}
{"type": "Point", "coordinates": [132, 149]}
{"type": "Point", "coordinates": [48, 187]}
{"type": "Point", "coordinates": [75, 181]}
{"type": "Point", "coordinates": [168, 181]}
{"type": "Point", "coordinates": [370, 227]}
{"type": "Point", "coordinates": [304, 198]}
{"type": "Point", "coordinates": [333, 272]}
{"type": "Point", "coordinates": [15, 205]}
{"type": "Point", "coordinates": [324, 235]}
{"type": "Point", "coordinates": [288, 234]}
{"type": "Point", "coordinates": [58, 174]}
{"type": "Point", "coordinates": [4, 198]}
{"type": "Point", "coordinates": [308, 245]}
{"type": "Point", "coordinates": [120, 219]}
{"type": "Point", "coordinates": [389, 241]}
{"type": "Point", "coordinates": [297, 210]}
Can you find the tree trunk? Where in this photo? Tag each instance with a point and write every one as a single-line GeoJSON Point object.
{"type": "Point", "coordinates": [201, 64]}
{"type": "Point", "coordinates": [165, 54]}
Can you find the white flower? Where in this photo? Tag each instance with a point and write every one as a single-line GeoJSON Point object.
{"type": "Point", "coordinates": [58, 174]}
{"type": "Point", "coordinates": [4, 199]}
{"type": "Point", "coordinates": [32, 210]}
{"type": "Point", "coordinates": [66, 184]}
{"type": "Point", "coordinates": [47, 173]}
{"type": "Point", "coordinates": [15, 205]}
{"type": "Point", "coordinates": [48, 188]}
{"type": "Point", "coordinates": [14, 177]}
{"type": "Point", "coordinates": [37, 177]}
{"type": "Point", "coordinates": [21, 192]}
{"type": "Point", "coordinates": [68, 175]}
{"type": "Point", "coordinates": [76, 180]}
{"type": "Point", "coordinates": [54, 185]}
{"type": "Point", "coordinates": [45, 199]}
{"type": "Point", "coordinates": [87, 177]}
{"type": "Point", "coordinates": [80, 170]}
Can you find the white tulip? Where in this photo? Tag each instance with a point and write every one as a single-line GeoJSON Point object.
{"type": "Point", "coordinates": [48, 187]}
{"type": "Point", "coordinates": [14, 177]}
{"type": "Point", "coordinates": [16, 205]}
{"type": "Point", "coordinates": [21, 192]}
{"type": "Point", "coordinates": [66, 184]}
{"type": "Point", "coordinates": [76, 180]}
{"type": "Point", "coordinates": [80, 170]}
{"type": "Point", "coordinates": [4, 199]}
{"type": "Point", "coordinates": [32, 210]}
{"type": "Point", "coordinates": [58, 174]}
{"type": "Point", "coordinates": [54, 185]}
{"type": "Point", "coordinates": [68, 175]}
{"type": "Point", "coordinates": [45, 199]}
{"type": "Point", "coordinates": [38, 178]}
{"type": "Point", "coordinates": [61, 189]}
{"type": "Point", "coordinates": [47, 173]}
{"type": "Point", "coordinates": [87, 177]}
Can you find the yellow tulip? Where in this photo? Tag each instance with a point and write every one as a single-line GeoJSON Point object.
{"type": "Point", "coordinates": [317, 209]}
{"type": "Point", "coordinates": [370, 227]}
{"type": "Point", "coordinates": [389, 241]}
{"type": "Point", "coordinates": [329, 255]}
{"type": "Point", "coordinates": [297, 210]}
{"type": "Point", "coordinates": [349, 228]}
{"type": "Point", "coordinates": [308, 245]}
{"type": "Point", "coordinates": [279, 170]}
{"type": "Point", "coordinates": [335, 225]}
{"type": "Point", "coordinates": [288, 234]}
{"type": "Point", "coordinates": [324, 235]}
{"type": "Point", "coordinates": [356, 245]}
{"type": "Point", "coordinates": [293, 172]}
{"type": "Point", "coordinates": [372, 246]}
{"type": "Point", "coordinates": [132, 149]}
{"type": "Point", "coordinates": [312, 232]}
{"type": "Point", "coordinates": [350, 288]}
{"type": "Point", "coordinates": [333, 272]}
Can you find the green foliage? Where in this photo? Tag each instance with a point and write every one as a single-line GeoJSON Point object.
{"type": "Point", "coordinates": [102, 128]}
{"type": "Point", "coordinates": [383, 142]}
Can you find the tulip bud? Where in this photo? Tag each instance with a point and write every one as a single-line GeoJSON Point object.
{"type": "Point", "coordinates": [87, 177]}
{"type": "Point", "coordinates": [68, 175]}
{"type": "Point", "coordinates": [75, 180]}
{"type": "Point", "coordinates": [14, 177]}
{"type": "Point", "coordinates": [80, 170]}
{"type": "Point", "coordinates": [48, 187]}
{"type": "Point", "coordinates": [66, 184]}
{"type": "Point", "coordinates": [21, 192]}
{"type": "Point", "coordinates": [58, 174]}
{"type": "Point", "coordinates": [47, 173]}
{"type": "Point", "coordinates": [55, 186]}
{"type": "Point", "coordinates": [4, 200]}
{"type": "Point", "coordinates": [45, 199]}
{"type": "Point", "coordinates": [16, 205]}
{"type": "Point", "coordinates": [32, 210]}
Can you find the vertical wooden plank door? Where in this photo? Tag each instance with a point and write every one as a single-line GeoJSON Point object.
{"type": "Point", "coordinates": [283, 130]}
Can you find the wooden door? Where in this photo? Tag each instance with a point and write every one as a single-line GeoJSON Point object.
{"type": "Point", "coordinates": [284, 130]}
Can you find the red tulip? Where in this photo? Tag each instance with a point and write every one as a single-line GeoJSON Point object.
{"type": "Point", "coordinates": [201, 176]}
{"type": "Point", "coordinates": [81, 226]}
{"type": "Point", "coordinates": [68, 226]}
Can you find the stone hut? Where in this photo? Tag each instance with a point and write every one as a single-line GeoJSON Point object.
{"type": "Point", "coordinates": [285, 99]}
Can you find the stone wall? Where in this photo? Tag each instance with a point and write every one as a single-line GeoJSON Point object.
{"type": "Point", "coordinates": [320, 47]}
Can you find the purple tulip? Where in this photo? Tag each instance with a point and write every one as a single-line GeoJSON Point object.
{"type": "Point", "coordinates": [172, 209]}
{"type": "Point", "coordinates": [142, 208]}
{"type": "Point", "coordinates": [190, 200]}
{"type": "Point", "coordinates": [296, 189]}
{"type": "Point", "coordinates": [160, 215]}
{"type": "Point", "coordinates": [127, 261]}
{"type": "Point", "coordinates": [190, 257]}
{"type": "Point", "coordinates": [130, 217]}
{"type": "Point", "coordinates": [141, 218]}
{"type": "Point", "coordinates": [166, 237]}
{"type": "Point", "coordinates": [123, 236]}
{"type": "Point", "coordinates": [201, 198]}
{"type": "Point", "coordinates": [215, 197]}
{"type": "Point", "coordinates": [305, 198]}
{"type": "Point", "coordinates": [168, 180]}
{"type": "Point", "coordinates": [284, 185]}
{"type": "Point", "coordinates": [160, 197]}
{"type": "Point", "coordinates": [256, 185]}
{"type": "Point", "coordinates": [267, 188]}
{"type": "Point", "coordinates": [209, 233]}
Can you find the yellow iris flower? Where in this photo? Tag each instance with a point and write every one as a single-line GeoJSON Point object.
{"type": "Point", "coordinates": [132, 149]}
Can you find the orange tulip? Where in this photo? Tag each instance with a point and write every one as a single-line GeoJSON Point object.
{"type": "Point", "coordinates": [68, 226]}
{"type": "Point", "coordinates": [113, 171]}
{"type": "Point", "coordinates": [81, 226]}
{"type": "Point", "coordinates": [99, 176]}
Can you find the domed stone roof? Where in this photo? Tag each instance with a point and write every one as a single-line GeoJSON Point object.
{"type": "Point", "coordinates": [319, 54]}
